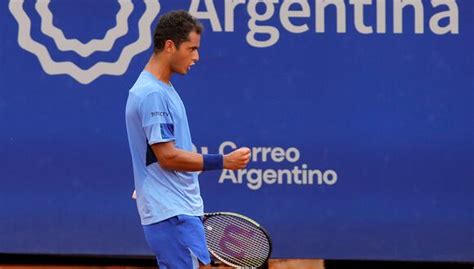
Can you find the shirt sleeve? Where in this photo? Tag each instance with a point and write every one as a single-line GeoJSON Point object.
{"type": "Point", "coordinates": [157, 120]}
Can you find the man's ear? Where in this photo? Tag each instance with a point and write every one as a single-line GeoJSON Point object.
{"type": "Point", "coordinates": [169, 46]}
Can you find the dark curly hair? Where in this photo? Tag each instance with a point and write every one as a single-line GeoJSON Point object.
{"type": "Point", "coordinates": [175, 26]}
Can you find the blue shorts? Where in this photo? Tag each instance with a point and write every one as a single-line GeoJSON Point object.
{"type": "Point", "coordinates": [178, 242]}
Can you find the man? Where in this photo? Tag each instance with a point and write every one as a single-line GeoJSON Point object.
{"type": "Point", "coordinates": [167, 188]}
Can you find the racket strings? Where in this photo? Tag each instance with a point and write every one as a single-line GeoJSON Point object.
{"type": "Point", "coordinates": [241, 261]}
{"type": "Point", "coordinates": [248, 261]}
{"type": "Point", "coordinates": [258, 241]}
{"type": "Point", "coordinates": [237, 241]}
{"type": "Point", "coordinates": [257, 237]}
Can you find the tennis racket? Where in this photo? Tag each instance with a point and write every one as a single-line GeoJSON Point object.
{"type": "Point", "coordinates": [236, 240]}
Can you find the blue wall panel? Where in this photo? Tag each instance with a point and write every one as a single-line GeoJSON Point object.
{"type": "Point", "coordinates": [377, 129]}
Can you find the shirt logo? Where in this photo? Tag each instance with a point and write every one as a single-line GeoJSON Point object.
{"type": "Point", "coordinates": [159, 114]}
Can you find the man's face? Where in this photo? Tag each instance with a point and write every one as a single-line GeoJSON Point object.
{"type": "Point", "coordinates": [186, 55]}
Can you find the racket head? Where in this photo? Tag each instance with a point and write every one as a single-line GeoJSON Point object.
{"type": "Point", "coordinates": [237, 240]}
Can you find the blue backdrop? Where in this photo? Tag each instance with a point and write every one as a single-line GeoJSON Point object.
{"type": "Point", "coordinates": [363, 142]}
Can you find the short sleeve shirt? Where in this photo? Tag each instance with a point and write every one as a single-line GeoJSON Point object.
{"type": "Point", "coordinates": [156, 114]}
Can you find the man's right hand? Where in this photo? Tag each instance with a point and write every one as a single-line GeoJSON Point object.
{"type": "Point", "coordinates": [237, 159]}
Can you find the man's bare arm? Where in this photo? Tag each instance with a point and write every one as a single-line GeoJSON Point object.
{"type": "Point", "coordinates": [171, 158]}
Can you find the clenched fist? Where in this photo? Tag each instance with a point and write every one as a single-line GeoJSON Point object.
{"type": "Point", "coordinates": [237, 159]}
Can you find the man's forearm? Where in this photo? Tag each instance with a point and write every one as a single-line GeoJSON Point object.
{"type": "Point", "coordinates": [181, 160]}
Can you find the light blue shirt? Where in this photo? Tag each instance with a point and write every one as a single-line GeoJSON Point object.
{"type": "Point", "coordinates": [156, 114]}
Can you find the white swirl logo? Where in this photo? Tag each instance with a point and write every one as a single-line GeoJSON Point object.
{"type": "Point", "coordinates": [84, 76]}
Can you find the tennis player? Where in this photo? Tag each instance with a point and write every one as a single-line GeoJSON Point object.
{"type": "Point", "coordinates": [167, 188]}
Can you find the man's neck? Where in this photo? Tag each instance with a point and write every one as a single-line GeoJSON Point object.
{"type": "Point", "coordinates": [159, 68]}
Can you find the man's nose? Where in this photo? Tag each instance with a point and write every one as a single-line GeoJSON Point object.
{"type": "Point", "coordinates": [196, 56]}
